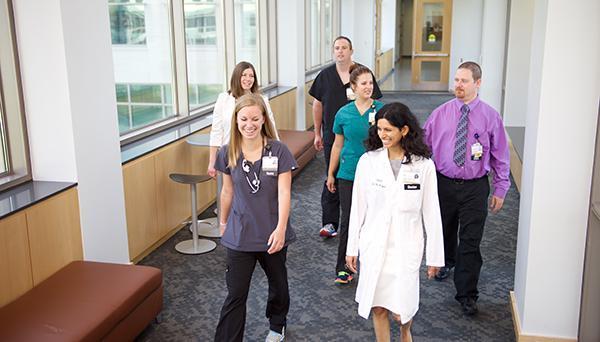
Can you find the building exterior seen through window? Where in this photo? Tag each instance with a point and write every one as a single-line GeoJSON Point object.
{"type": "Point", "coordinates": [127, 22]}
{"type": "Point", "coordinates": [205, 51]}
{"type": "Point", "coordinates": [153, 39]}
{"type": "Point", "coordinates": [246, 31]}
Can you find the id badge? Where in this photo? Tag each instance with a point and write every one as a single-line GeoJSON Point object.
{"type": "Point", "coordinates": [270, 165]}
{"type": "Point", "coordinates": [350, 94]}
{"type": "Point", "coordinates": [476, 151]}
{"type": "Point", "coordinates": [411, 177]}
{"type": "Point", "coordinates": [372, 117]}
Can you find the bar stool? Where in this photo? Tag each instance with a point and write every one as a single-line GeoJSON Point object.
{"type": "Point", "coordinates": [195, 245]}
{"type": "Point", "coordinates": [208, 227]}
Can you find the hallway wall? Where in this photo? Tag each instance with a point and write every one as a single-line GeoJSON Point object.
{"type": "Point", "coordinates": [559, 147]}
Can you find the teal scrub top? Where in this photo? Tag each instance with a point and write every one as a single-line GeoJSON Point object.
{"type": "Point", "coordinates": [355, 129]}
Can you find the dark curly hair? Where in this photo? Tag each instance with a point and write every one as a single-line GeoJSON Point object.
{"type": "Point", "coordinates": [399, 115]}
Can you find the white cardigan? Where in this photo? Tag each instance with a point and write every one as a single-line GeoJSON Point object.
{"type": "Point", "coordinates": [221, 120]}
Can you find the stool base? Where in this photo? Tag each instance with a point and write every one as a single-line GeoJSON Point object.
{"type": "Point", "coordinates": [187, 246]}
{"type": "Point", "coordinates": [208, 228]}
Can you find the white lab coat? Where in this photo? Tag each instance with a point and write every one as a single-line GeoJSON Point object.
{"type": "Point", "coordinates": [221, 121]}
{"type": "Point", "coordinates": [380, 203]}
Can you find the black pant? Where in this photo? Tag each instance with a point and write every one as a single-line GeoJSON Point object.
{"type": "Point", "coordinates": [330, 201]}
{"type": "Point", "coordinates": [240, 266]}
{"type": "Point", "coordinates": [464, 205]}
{"type": "Point", "coordinates": [344, 189]}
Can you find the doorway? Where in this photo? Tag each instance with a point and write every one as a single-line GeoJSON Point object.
{"type": "Point", "coordinates": [422, 58]}
{"type": "Point", "coordinates": [431, 44]}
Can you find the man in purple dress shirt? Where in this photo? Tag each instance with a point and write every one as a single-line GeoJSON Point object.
{"type": "Point", "coordinates": [468, 141]}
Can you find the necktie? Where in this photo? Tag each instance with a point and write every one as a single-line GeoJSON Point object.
{"type": "Point", "coordinates": [460, 148]}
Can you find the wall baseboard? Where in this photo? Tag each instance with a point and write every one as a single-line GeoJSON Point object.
{"type": "Point", "coordinates": [520, 337]}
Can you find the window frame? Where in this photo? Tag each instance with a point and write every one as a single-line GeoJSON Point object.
{"type": "Point", "coordinates": [13, 111]}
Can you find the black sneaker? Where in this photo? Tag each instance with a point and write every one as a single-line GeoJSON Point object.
{"type": "Point", "coordinates": [469, 306]}
{"type": "Point", "coordinates": [443, 273]}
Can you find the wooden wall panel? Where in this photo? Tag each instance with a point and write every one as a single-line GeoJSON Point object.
{"type": "Point", "coordinates": [15, 261]}
{"type": "Point", "coordinates": [284, 110]}
{"type": "Point", "coordinates": [140, 205]}
{"type": "Point", "coordinates": [308, 106]}
{"type": "Point", "coordinates": [173, 198]}
{"type": "Point", "coordinates": [54, 234]}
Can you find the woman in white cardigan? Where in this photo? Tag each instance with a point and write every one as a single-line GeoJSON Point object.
{"type": "Point", "coordinates": [243, 81]}
{"type": "Point", "coordinates": [395, 192]}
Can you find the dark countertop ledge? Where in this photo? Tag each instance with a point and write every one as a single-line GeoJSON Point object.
{"type": "Point", "coordinates": [27, 194]}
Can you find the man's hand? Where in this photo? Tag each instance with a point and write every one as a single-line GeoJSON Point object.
{"type": "Point", "coordinates": [318, 143]}
{"type": "Point", "coordinates": [496, 204]}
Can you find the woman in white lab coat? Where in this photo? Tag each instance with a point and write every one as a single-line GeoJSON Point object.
{"type": "Point", "coordinates": [395, 192]}
{"type": "Point", "coordinates": [243, 81]}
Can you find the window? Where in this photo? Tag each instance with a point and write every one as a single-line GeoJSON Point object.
{"type": "Point", "coordinates": [246, 32]}
{"type": "Point", "coordinates": [204, 36]}
{"type": "Point", "coordinates": [170, 57]}
{"type": "Point", "coordinates": [322, 26]}
{"type": "Point", "coordinates": [14, 157]}
{"type": "Point", "coordinates": [142, 55]}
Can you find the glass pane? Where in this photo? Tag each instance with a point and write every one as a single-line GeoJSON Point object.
{"type": "Point", "coordinates": [122, 92]}
{"type": "Point", "coordinates": [315, 32]}
{"type": "Point", "coordinates": [431, 71]}
{"type": "Point", "coordinates": [246, 32]}
{"type": "Point", "coordinates": [433, 15]}
{"type": "Point", "coordinates": [204, 48]}
{"type": "Point", "coordinates": [145, 93]}
{"type": "Point", "coordinates": [127, 23]}
{"type": "Point", "coordinates": [124, 122]}
{"type": "Point", "coordinates": [142, 56]}
{"type": "Point", "coordinates": [144, 115]}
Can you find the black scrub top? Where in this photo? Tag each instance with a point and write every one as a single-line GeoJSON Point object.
{"type": "Point", "coordinates": [331, 92]}
{"type": "Point", "coordinates": [253, 216]}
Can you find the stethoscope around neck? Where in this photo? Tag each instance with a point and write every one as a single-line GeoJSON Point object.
{"type": "Point", "coordinates": [254, 183]}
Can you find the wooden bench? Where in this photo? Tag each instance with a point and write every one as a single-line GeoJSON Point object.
{"type": "Point", "coordinates": [86, 301]}
{"type": "Point", "coordinates": [300, 144]}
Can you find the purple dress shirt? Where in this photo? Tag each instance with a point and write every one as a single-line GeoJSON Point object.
{"type": "Point", "coordinates": [485, 126]}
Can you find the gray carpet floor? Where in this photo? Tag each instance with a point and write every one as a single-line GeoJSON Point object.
{"type": "Point", "coordinates": [320, 310]}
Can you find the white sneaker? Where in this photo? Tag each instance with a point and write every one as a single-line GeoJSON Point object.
{"type": "Point", "coordinates": [275, 336]}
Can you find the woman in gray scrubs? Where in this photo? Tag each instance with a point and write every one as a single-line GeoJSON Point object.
{"type": "Point", "coordinates": [255, 207]}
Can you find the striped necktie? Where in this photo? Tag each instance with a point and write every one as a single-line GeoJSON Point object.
{"type": "Point", "coordinates": [460, 148]}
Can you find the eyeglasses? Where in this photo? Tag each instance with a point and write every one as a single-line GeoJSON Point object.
{"type": "Point", "coordinates": [254, 183]}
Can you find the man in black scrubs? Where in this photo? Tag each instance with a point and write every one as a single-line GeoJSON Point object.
{"type": "Point", "coordinates": [331, 90]}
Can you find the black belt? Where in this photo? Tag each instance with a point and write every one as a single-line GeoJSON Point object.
{"type": "Point", "coordinates": [460, 180]}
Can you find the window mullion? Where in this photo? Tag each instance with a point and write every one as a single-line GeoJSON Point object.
{"type": "Point", "coordinates": [180, 77]}
{"type": "Point", "coordinates": [263, 41]}
{"type": "Point", "coordinates": [228, 11]}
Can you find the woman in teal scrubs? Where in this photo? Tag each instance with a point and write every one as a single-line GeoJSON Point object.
{"type": "Point", "coordinates": [351, 128]}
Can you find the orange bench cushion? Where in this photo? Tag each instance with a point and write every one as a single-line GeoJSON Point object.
{"type": "Point", "coordinates": [83, 301]}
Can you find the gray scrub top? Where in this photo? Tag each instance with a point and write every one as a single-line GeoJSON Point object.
{"type": "Point", "coordinates": [253, 217]}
